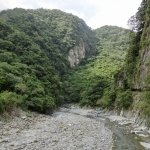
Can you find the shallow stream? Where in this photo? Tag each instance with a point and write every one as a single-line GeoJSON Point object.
{"type": "Point", "coordinates": [122, 136]}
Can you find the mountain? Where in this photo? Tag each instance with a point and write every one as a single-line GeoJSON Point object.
{"type": "Point", "coordinates": [37, 47]}
{"type": "Point", "coordinates": [55, 32]}
{"type": "Point", "coordinates": [49, 57]}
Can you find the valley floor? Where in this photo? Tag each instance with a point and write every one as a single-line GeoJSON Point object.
{"type": "Point", "coordinates": [61, 131]}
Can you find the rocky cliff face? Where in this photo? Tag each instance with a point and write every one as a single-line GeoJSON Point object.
{"type": "Point", "coordinates": [144, 67]}
{"type": "Point", "coordinates": [139, 88]}
{"type": "Point", "coordinates": [77, 53]}
{"type": "Point", "coordinates": [139, 80]}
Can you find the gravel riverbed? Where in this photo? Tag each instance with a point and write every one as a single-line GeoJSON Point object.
{"type": "Point", "coordinates": [61, 131]}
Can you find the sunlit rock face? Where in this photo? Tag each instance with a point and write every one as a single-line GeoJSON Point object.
{"type": "Point", "coordinates": [76, 54]}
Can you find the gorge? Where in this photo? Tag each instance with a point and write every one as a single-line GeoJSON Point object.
{"type": "Point", "coordinates": [49, 58]}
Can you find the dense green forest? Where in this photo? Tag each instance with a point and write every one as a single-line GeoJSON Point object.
{"type": "Point", "coordinates": [33, 51]}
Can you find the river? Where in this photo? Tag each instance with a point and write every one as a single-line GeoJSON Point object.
{"type": "Point", "coordinates": [121, 128]}
{"type": "Point", "coordinates": [70, 128]}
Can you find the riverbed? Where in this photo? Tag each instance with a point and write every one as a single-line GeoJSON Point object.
{"type": "Point", "coordinates": [124, 135]}
{"type": "Point", "coordinates": [61, 131]}
{"type": "Point", "coordinates": [70, 128]}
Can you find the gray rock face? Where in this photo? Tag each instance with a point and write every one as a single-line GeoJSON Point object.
{"type": "Point", "coordinates": [143, 71]}
{"type": "Point", "coordinates": [76, 54]}
{"type": "Point", "coordinates": [140, 83]}
{"type": "Point", "coordinates": [139, 79]}
{"type": "Point", "coordinates": [144, 66]}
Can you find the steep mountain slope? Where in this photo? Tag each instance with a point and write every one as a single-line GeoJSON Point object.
{"type": "Point", "coordinates": [59, 34]}
{"type": "Point", "coordinates": [86, 83]}
{"type": "Point", "coordinates": [112, 45]}
{"type": "Point", "coordinates": [133, 80]}
{"type": "Point", "coordinates": [37, 47]}
{"type": "Point", "coordinates": [27, 77]}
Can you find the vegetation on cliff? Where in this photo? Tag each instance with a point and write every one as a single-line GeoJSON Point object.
{"type": "Point", "coordinates": [134, 76]}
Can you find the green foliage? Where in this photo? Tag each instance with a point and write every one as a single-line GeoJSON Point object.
{"type": "Point", "coordinates": [8, 100]}
{"type": "Point", "coordinates": [34, 68]}
{"type": "Point", "coordinates": [143, 106]}
{"type": "Point", "coordinates": [89, 83]}
{"type": "Point", "coordinates": [34, 46]}
{"type": "Point", "coordinates": [94, 91]}
{"type": "Point", "coordinates": [108, 99]}
{"type": "Point", "coordinates": [27, 75]}
{"type": "Point", "coordinates": [54, 31]}
{"type": "Point", "coordinates": [124, 99]}
{"type": "Point", "coordinates": [114, 39]}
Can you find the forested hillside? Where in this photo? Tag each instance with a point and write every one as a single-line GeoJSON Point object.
{"type": "Point", "coordinates": [49, 57]}
{"type": "Point", "coordinates": [89, 82]}
{"type": "Point", "coordinates": [34, 46]}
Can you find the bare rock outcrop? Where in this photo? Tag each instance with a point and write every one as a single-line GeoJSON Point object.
{"type": "Point", "coordinates": [77, 53]}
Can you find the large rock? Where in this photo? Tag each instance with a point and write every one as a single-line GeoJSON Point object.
{"type": "Point", "coordinates": [76, 54]}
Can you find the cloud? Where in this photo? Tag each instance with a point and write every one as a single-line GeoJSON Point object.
{"type": "Point", "coordinates": [8, 4]}
{"type": "Point", "coordinates": [80, 15]}
{"type": "Point", "coordinates": [96, 13]}
{"type": "Point", "coordinates": [79, 8]}
{"type": "Point", "coordinates": [114, 12]}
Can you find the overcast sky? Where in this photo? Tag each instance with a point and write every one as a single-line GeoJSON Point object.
{"type": "Point", "coordinates": [95, 13]}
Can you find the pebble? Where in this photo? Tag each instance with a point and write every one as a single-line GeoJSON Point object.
{"type": "Point", "coordinates": [23, 117]}
{"type": "Point", "coordinates": [12, 144]}
{"type": "Point", "coordinates": [132, 132]}
{"type": "Point", "coordinates": [4, 140]}
{"type": "Point", "coordinates": [35, 141]}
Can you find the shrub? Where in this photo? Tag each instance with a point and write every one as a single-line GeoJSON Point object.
{"type": "Point", "coordinates": [124, 99]}
{"type": "Point", "coordinates": [8, 100]}
{"type": "Point", "coordinates": [108, 99]}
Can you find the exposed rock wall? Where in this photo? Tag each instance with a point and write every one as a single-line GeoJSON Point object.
{"type": "Point", "coordinates": [142, 72]}
{"type": "Point", "coordinates": [139, 87]}
{"type": "Point", "coordinates": [144, 68]}
{"type": "Point", "coordinates": [77, 53]}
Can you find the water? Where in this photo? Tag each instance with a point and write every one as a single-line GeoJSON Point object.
{"type": "Point", "coordinates": [123, 139]}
